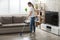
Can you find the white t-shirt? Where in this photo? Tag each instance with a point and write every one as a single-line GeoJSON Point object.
{"type": "Point", "coordinates": [32, 9]}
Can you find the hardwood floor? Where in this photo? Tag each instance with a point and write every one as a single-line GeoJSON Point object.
{"type": "Point", "coordinates": [39, 35]}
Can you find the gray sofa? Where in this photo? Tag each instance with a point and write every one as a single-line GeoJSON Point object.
{"type": "Point", "coordinates": [12, 24]}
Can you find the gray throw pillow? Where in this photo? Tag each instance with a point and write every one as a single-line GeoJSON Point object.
{"type": "Point", "coordinates": [0, 24]}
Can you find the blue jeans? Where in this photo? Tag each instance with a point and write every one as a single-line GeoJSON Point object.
{"type": "Point", "coordinates": [32, 24]}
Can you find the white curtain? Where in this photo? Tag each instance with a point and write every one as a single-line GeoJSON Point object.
{"type": "Point", "coordinates": [3, 7]}
{"type": "Point", "coordinates": [14, 6]}
{"type": "Point", "coordinates": [24, 5]}
{"type": "Point", "coordinates": [8, 7]}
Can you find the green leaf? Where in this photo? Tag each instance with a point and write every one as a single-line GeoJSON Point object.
{"type": "Point", "coordinates": [26, 9]}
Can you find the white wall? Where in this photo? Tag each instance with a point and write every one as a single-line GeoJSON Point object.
{"type": "Point", "coordinates": [51, 5]}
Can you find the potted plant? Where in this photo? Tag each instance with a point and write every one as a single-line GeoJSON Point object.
{"type": "Point", "coordinates": [26, 9]}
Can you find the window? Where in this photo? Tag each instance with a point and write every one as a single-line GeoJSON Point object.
{"type": "Point", "coordinates": [3, 7]}
{"type": "Point", "coordinates": [24, 5]}
{"type": "Point", "coordinates": [13, 6]}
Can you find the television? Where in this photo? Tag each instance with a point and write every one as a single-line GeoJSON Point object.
{"type": "Point", "coordinates": [51, 18]}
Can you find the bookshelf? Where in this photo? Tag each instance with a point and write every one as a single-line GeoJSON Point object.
{"type": "Point", "coordinates": [40, 12]}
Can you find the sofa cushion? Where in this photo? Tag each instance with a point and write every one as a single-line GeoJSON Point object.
{"type": "Point", "coordinates": [0, 19]}
{"type": "Point", "coordinates": [14, 25]}
{"type": "Point", "coordinates": [7, 20]}
{"type": "Point", "coordinates": [18, 19]}
{"type": "Point", "coordinates": [0, 24]}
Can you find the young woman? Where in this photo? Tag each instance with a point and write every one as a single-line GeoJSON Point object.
{"type": "Point", "coordinates": [32, 16]}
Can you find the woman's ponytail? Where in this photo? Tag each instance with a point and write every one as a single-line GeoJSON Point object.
{"type": "Point", "coordinates": [32, 5]}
